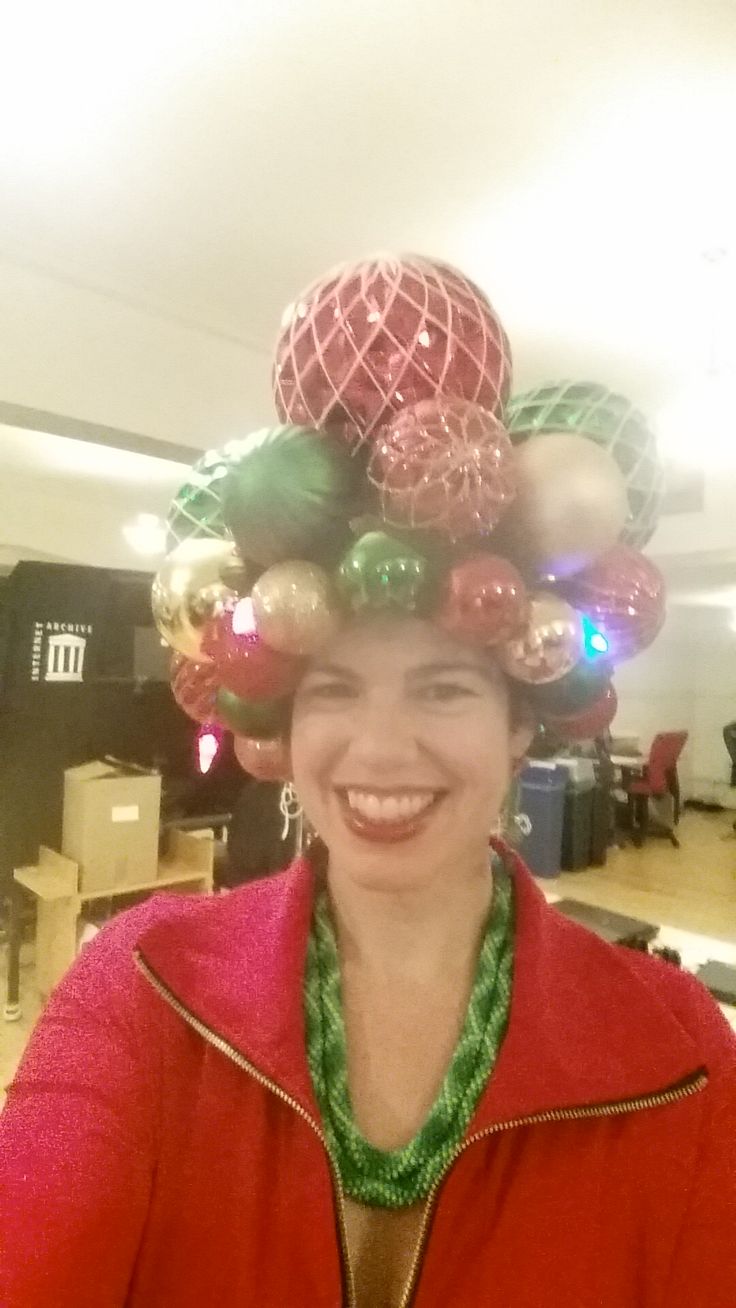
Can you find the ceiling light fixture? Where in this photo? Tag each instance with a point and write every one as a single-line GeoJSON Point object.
{"type": "Point", "coordinates": [146, 534]}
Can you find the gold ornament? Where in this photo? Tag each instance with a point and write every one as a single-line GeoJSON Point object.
{"type": "Point", "coordinates": [550, 647]}
{"type": "Point", "coordinates": [294, 608]}
{"type": "Point", "coordinates": [189, 591]}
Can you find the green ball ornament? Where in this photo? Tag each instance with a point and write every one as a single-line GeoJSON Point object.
{"type": "Point", "coordinates": [289, 494]}
{"type": "Point", "coordinates": [591, 410]}
{"type": "Point", "coordinates": [196, 509]}
{"type": "Point", "coordinates": [263, 719]}
{"type": "Point", "coordinates": [384, 572]}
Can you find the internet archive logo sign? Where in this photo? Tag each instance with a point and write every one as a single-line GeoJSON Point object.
{"type": "Point", "coordinates": [58, 651]}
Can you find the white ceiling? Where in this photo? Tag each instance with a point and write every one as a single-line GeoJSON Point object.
{"type": "Point", "coordinates": [203, 160]}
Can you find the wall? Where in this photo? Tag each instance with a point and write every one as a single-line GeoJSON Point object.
{"type": "Point", "coordinates": [686, 680]}
{"type": "Point", "coordinates": [74, 351]}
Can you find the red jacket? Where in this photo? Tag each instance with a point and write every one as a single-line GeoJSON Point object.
{"type": "Point", "coordinates": [161, 1148]}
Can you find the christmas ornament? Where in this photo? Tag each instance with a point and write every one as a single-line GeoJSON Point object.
{"type": "Point", "coordinates": [290, 492]}
{"type": "Point", "coordinates": [261, 718]}
{"type": "Point", "coordinates": [373, 337]}
{"type": "Point", "coordinates": [624, 595]}
{"type": "Point", "coordinates": [570, 506]}
{"type": "Point", "coordinates": [266, 760]}
{"type": "Point", "coordinates": [484, 600]}
{"type": "Point", "coordinates": [382, 572]}
{"type": "Point", "coordinates": [188, 592]}
{"type": "Point", "coordinates": [588, 722]}
{"type": "Point", "coordinates": [577, 691]}
{"type": "Point", "coordinates": [444, 463]}
{"type": "Point", "coordinates": [294, 607]}
{"type": "Point", "coordinates": [196, 509]}
{"type": "Point", "coordinates": [591, 410]}
{"type": "Point", "coordinates": [551, 644]}
{"type": "Point", "coordinates": [244, 663]}
{"type": "Point", "coordinates": [195, 687]}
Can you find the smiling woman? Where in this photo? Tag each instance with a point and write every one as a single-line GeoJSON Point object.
{"type": "Point", "coordinates": [401, 736]}
{"type": "Point", "coordinates": [393, 1075]}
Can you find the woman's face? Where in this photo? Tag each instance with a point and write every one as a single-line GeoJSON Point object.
{"type": "Point", "coordinates": [402, 750]}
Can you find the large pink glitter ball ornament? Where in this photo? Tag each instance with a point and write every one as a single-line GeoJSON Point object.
{"type": "Point", "coordinates": [195, 687]}
{"type": "Point", "coordinates": [624, 595]}
{"type": "Point", "coordinates": [374, 337]}
{"type": "Point", "coordinates": [484, 601]}
{"type": "Point", "coordinates": [444, 463]}
{"type": "Point", "coordinates": [245, 665]}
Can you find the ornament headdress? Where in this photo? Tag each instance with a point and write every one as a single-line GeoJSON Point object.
{"type": "Point", "coordinates": [405, 477]}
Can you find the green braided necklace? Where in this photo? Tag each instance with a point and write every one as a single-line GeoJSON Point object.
{"type": "Point", "coordinates": [399, 1177]}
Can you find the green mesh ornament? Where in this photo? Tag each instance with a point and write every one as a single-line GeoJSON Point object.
{"type": "Point", "coordinates": [612, 421]}
{"type": "Point", "coordinates": [196, 509]}
{"type": "Point", "coordinates": [383, 572]}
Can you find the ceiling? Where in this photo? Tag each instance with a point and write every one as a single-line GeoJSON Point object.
{"type": "Point", "coordinates": [202, 161]}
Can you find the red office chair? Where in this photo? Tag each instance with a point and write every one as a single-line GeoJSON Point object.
{"type": "Point", "coordinates": [660, 778]}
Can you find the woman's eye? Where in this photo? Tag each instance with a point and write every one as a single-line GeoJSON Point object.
{"type": "Point", "coordinates": [444, 692]}
{"type": "Point", "coordinates": [330, 690]}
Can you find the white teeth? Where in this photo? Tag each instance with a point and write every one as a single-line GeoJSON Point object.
{"type": "Point", "coordinates": [388, 808]}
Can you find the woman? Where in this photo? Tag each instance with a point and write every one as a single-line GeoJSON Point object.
{"type": "Point", "coordinates": [390, 1076]}
{"type": "Point", "coordinates": [168, 1141]}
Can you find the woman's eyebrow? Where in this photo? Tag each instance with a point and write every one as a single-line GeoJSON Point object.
{"type": "Point", "coordinates": [331, 670]}
{"type": "Point", "coordinates": [489, 672]}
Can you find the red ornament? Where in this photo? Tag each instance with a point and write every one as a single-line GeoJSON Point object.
{"type": "Point", "coordinates": [589, 722]}
{"type": "Point", "coordinates": [371, 338]}
{"type": "Point", "coordinates": [485, 600]}
{"type": "Point", "coordinates": [195, 687]}
{"type": "Point", "coordinates": [447, 464]}
{"type": "Point", "coordinates": [244, 664]}
{"type": "Point", "coordinates": [624, 596]}
{"type": "Point", "coordinates": [266, 760]}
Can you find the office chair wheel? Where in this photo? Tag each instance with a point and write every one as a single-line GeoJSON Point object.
{"type": "Point", "coordinates": [675, 841]}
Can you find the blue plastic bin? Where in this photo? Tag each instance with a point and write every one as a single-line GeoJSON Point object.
{"type": "Point", "coordinates": [541, 801]}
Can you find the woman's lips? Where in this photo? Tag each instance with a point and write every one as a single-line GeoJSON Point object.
{"type": "Point", "coordinates": [387, 816]}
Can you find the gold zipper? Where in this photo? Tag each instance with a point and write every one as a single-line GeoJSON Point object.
{"type": "Point", "coordinates": [222, 1045]}
{"type": "Point", "coordinates": [682, 1090]}
{"type": "Point", "coordinates": [692, 1085]}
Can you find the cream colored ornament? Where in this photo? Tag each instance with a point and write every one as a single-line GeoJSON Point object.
{"type": "Point", "coordinates": [294, 607]}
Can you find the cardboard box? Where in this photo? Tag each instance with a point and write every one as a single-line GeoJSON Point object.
{"type": "Point", "coordinates": [111, 825]}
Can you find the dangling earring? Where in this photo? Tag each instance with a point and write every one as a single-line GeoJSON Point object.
{"type": "Point", "coordinates": [292, 811]}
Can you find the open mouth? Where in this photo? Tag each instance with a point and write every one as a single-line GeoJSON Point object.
{"type": "Point", "coordinates": [387, 815]}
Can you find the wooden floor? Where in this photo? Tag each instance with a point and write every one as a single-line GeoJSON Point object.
{"type": "Point", "coordinates": [692, 889]}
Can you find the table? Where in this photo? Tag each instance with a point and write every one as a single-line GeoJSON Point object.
{"type": "Point", "coordinates": [629, 762]}
{"type": "Point", "coordinates": [615, 928]}
{"type": "Point", "coordinates": [54, 883]}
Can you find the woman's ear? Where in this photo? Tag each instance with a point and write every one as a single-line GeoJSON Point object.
{"type": "Point", "coordinates": [522, 735]}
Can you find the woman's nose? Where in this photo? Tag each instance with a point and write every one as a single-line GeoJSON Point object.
{"type": "Point", "coordinates": [384, 737]}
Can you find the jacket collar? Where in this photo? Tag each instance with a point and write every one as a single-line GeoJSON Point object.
{"type": "Point", "coordinates": [587, 1026]}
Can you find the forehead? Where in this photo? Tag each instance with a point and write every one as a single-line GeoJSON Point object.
{"type": "Point", "coordinates": [381, 645]}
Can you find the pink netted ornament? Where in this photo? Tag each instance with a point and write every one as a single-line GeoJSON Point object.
{"type": "Point", "coordinates": [195, 687]}
{"type": "Point", "coordinates": [446, 464]}
{"type": "Point", "coordinates": [373, 337]}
